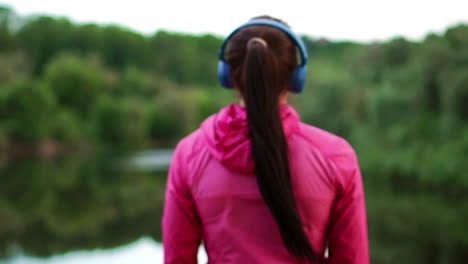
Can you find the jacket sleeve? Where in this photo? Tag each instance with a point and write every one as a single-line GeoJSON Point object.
{"type": "Point", "coordinates": [348, 240]}
{"type": "Point", "coordinates": [180, 224]}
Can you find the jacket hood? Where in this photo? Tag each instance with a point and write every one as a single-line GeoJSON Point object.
{"type": "Point", "coordinates": [227, 137]}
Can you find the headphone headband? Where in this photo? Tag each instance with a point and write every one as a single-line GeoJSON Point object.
{"type": "Point", "coordinates": [298, 75]}
{"type": "Point", "coordinates": [273, 23]}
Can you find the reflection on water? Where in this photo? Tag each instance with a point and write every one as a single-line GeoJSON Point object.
{"type": "Point", "coordinates": [153, 160]}
{"type": "Point", "coordinates": [73, 204]}
{"type": "Point", "coordinates": [142, 251]}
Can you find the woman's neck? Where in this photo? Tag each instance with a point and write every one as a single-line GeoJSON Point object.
{"type": "Point", "coordinates": [283, 99]}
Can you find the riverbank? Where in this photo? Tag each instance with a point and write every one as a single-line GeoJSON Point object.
{"type": "Point", "coordinates": [44, 149]}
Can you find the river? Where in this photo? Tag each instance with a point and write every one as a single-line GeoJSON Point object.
{"type": "Point", "coordinates": [143, 251]}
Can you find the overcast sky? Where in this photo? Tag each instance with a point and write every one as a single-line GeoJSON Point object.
{"type": "Point", "coordinates": [361, 20]}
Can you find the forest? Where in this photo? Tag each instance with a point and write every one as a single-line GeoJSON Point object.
{"type": "Point", "coordinates": [70, 92]}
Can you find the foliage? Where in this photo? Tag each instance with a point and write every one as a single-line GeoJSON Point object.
{"type": "Point", "coordinates": [75, 82]}
{"type": "Point", "coordinates": [120, 123]}
{"type": "Point", "coordinates": [27, 110]}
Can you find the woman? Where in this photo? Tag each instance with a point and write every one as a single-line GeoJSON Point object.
{"type": "Point", "coordinates": [256, 184]}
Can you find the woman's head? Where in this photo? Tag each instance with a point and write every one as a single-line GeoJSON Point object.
{"type": "Point", "coordinates": [279, 50]}
{"type": "Point", "coordinates": [262, 60]}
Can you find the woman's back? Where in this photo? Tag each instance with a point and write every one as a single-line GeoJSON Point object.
{"type": "Point", "coordinates": [213, 195]}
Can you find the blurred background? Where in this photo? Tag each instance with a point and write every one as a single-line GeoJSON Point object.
{"type": "Point", "coordinates": [94, 97]}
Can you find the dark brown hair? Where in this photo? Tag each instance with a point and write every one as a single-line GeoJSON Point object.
{"type": "Point", "coordinates": [262, 73]}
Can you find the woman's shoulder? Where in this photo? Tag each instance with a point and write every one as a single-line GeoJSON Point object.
{"type": "Point", "coordinates": [190, 143]}
{"type": "Point", "coordinates": [336, 150]}
{"type": "Point", "coordinates": [330, 145]}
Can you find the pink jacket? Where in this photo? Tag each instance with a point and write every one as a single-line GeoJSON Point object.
{"type": "Point", "coordinates": [212, 195]}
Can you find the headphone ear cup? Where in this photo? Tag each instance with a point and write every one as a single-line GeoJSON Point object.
{"type": "Point", "coordinates": [298, 79]}
{"type": "Point", "coordinates": [224, 74]}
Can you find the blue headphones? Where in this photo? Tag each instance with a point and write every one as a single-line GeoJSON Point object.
{"type": "Point", "coordinates": [299, 74]}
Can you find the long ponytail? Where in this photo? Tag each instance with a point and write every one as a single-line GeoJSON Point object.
{"type": "Point", "coordinates": [261, 85]}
